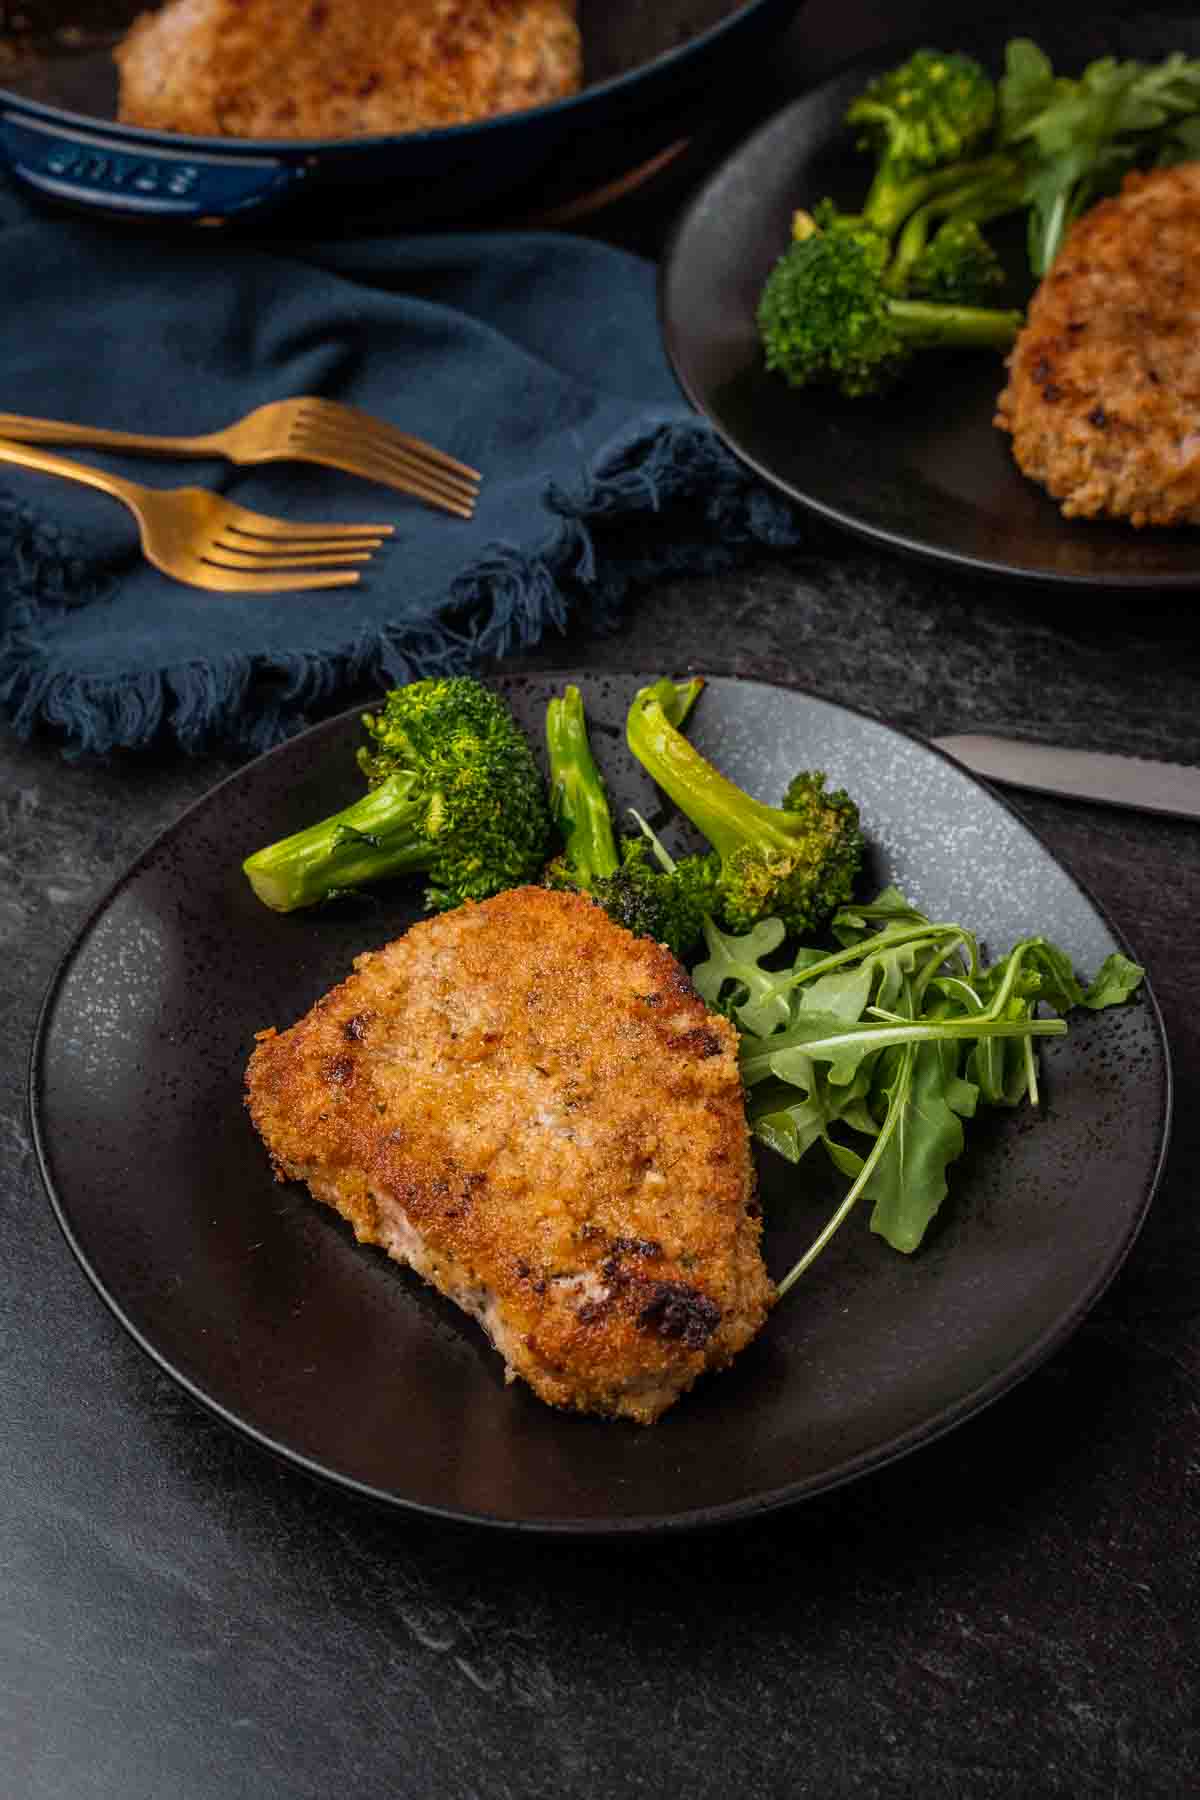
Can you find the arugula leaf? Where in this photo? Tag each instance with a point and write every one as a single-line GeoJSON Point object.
{"type": "Point", "coordinates": [1115, 980]}
{"type": "Point", "coordinates": [850, 923]}
{"type": "Point", "coordinates": [730, 979]}
{"type": "Point", "coordinates": [895, 963]}
{"type": "Point", "coordinates": [908, 1183]}
{"type": "Point", "coordinates": [845, 1161]}
{"type": "Point", "coordinates": [786, 1125]}
{"type": "Point", "coordinates": [1180, 144]}
{"type": "Point", "coordinates": [823, 1035]}
{"type": "Point", "coordinates": [1079, 137]}
{"type": "Point", "coordinates": [842, 994]}
{"type": "Point", "coordinates": [999, 1068]}
{"type": "Point", "coordinates": [817, 1035]}
{"type": "Point", "coordinates": [1025, 90]}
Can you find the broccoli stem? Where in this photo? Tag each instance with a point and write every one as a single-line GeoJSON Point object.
{"type": "Point", "coordinates": [889, 201]}
{"type": "Point", "coordinates": [376, 836]}
{"type": "Point", "coordinates": [676, 698]}
{"type": "Point", "coordinates": [929, 322]}
{"type": "Point", "coordinates": [578, 799]}
{"type": "Point", "coordinates": [977, 200]}
{"type": "Point", "coordinates": [729, 818]}
{"type": "Point", "coordinates": [578, 802]}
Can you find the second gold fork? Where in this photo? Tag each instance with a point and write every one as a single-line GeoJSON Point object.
{"type": "Point", "coordinates": [210, 542]}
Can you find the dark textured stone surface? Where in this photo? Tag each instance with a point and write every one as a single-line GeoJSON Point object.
{"type": "Point", "coordinates": [1010, 1612]}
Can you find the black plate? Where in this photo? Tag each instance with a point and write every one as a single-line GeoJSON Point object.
{"type": "Point", "coordinates": [923, 470]}
{"type": "Point", "coordinates": [257, 1299]}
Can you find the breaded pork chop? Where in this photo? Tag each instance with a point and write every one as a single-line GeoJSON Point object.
{"type": "Point", "coordinates": [1103, 394]}
{"type": "Point", "coordinates": [342, 68]}
{"type": "Point", "coordinates": [535, 1110]}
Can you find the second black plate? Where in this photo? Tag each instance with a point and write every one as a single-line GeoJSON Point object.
{"type": "Point", "coordinates": [923, 470]}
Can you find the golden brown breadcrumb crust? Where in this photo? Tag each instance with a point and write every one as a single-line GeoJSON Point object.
{"type": "Point", "coordinates": [1103, 394]}
{"type": "Point", "coordinates": [535, 1108]}
{"type": "Point", "coordinates": [342, 68]}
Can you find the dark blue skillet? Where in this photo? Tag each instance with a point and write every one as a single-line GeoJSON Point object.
{"type": "Point", "coordinates": [649, 65]}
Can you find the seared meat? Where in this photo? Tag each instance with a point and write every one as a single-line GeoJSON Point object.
{"type": "Point", "coordinates": [535, 1110]}
{"type": "Point", "coordinates": [1103, 396]}
{"type": "Point", "coordinates": [341, 68]}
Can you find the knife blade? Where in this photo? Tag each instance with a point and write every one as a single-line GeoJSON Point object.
{"type": "Point", "coordinates": [1114, 780]}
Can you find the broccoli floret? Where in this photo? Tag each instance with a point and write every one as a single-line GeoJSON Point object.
{"type": "Point", "coordinates": [796, 863]}
{"type": "Point", "coordinates": [644, 892]}
{"type": "Point", "coordinates": [454, 792]}
{"type": "Point", "coordinates": [827, 217]}
{"type": "Point", "coordinates": [957, 266]}
{"type": "Point", "coordinates": [826, 315]}
{"type": "Point", "coordinates": [921, 120]}
{"type": "Point", "coordinates": [917, 238]}
{"type": "Point", "coordinates": [668, 905]}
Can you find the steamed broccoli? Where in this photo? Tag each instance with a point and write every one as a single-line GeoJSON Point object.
{"type": "Point", "coordinates": [957, 267]}
{"type": "Point", "coordinates": [796, 863]}
{"type": "Point", "coordinates": [453, 792]}
{"type": "Point", "coordinates": [650, 897]}
{"type": "Point", "coordinates": [922, 120]}
{"type": "Point", "coordinates": [827, 216]}
{"type": "Point", "coordinates": [940, 252]}
{"type": "Point", "coordinates": [826, 315]}
{"type": "Point", "coordinates": [858, 293]}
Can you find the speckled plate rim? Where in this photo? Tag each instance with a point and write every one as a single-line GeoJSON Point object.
{"type": "Point", "coordinates": [1183, 578]}
{"type": "Point", "coordinates": [771, 1500]}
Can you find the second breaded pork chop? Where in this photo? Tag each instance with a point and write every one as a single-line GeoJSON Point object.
{"type": "Point", "coordinates": [535, 1110]}
{"type": "Point", "coordinates": [342, 68]}
{"type": "Point", "coordinates": [1103, 394]}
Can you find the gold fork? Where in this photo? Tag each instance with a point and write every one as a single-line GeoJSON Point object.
{"type": "Point", "coordinates": [306, 429]}
{"type": "Point", "coordinates": [211, 542]}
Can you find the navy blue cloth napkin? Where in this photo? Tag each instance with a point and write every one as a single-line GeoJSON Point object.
{"type": "Point", "coordinates": [534, 356]}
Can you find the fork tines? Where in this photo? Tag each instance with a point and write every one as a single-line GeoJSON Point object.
{"type": "Point", "coordinates": [277, 544]}
{"type": "Point", "coordinates": [363, 445]}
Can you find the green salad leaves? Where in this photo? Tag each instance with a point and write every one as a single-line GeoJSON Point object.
{"type": "Point", "coordinates": [1077, 138]}
{"type": "Point", "coordinates": [880, 1048]}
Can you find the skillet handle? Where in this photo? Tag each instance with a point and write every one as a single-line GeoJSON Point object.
{"type": "Point", "coordinates": [137, 177]}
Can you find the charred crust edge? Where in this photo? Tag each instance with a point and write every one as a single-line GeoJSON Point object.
{"type": "Point", "coordinates": [673, 1310]}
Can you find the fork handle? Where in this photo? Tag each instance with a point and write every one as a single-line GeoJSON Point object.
{"type": "Point", "coordinates": [58, 431]}
{"type": "Point", "coordinates": [29, 458]}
